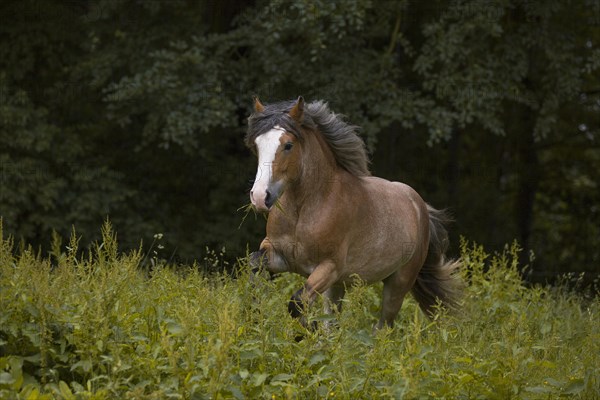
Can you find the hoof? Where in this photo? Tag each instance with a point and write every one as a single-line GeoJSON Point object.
{"type": "Point", "coordinates": [256, 260]}
{"type": "Point", "coordinates": [258, 266]}
{"type": "Point", "coordinates": [296, 305]}
{"type": "Point", "coordinates": [296, 309]}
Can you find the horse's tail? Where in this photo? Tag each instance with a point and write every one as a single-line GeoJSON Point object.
{"type": "Point", "coordinates": [437, 280]}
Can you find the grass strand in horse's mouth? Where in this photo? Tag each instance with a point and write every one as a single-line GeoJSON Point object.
{"type": "Point", "coordinates": [279, 206]}
{"type": "Point", "coordinates": [246, 208]}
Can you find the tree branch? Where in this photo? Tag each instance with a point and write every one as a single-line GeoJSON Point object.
{"type": "Point", "coordinates": [395, 34]}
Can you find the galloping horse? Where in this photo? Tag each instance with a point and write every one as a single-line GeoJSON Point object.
{"type": "Point", "coordinates": [330, 220]}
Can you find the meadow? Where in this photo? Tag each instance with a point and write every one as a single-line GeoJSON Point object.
{"type": "Point", "coordinates": [102, 326]}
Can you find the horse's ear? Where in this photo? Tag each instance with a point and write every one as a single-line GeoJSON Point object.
{"type": "Point", "coordinates": [258, 107]}
{"type": "Point", "coordinates": [298, 110]}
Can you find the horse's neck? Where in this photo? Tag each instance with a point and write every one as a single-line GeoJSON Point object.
{"type": "Point", "coordinates": [319, 170]}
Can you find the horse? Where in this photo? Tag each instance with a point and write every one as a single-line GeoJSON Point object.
{"type": "Point", "coordinates": [331, 221]}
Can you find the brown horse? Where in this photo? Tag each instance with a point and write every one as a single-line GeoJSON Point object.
{"type": "Point", "coordinates": [330, 221]}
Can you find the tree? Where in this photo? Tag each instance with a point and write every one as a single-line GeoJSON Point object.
{"type": "Point", "coordinates": [139, 111]}
{"type": "Point", "coordinates": [51, 174]}
{"type": "Point", "coordinates": [518, 69]}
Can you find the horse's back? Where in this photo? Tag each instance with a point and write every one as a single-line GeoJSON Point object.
{"type": "Point", "coordinates": [394, 198]}
{"type": "Point", "coordinates": [392, 229]}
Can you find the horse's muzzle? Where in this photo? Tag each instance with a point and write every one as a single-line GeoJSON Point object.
{"type": "Point", "coordinates": [260, 204]}
{"type": "Point", "coordinates": [263, 201]}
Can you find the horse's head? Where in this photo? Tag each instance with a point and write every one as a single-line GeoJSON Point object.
{"type": "Point", "coordinates": [279, 152]}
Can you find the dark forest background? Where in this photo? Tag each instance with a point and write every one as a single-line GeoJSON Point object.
{"type": "Point", "coordinates": [136, 110]}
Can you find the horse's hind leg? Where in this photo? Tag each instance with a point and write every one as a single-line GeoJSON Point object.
{"type": "Point", "coordinates": [395, 288]}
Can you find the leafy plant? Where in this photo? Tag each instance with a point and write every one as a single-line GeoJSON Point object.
{"type": "Point", "coordinates": [95, 326]}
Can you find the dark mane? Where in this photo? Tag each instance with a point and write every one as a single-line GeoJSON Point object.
{"type": "Point", "coordinates": [348, 148]}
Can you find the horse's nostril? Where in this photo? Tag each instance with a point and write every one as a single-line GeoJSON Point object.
{"type": "Point", "coordinates": [268, 199]}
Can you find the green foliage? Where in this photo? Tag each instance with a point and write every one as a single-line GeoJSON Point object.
{"type": "Point", "coordinates": [137, 110]}
{"type": "Point", "coordinates": [97, 327]}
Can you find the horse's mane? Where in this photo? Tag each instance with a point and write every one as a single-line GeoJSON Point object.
{"type": "Point", "coordinates": [347, 147]}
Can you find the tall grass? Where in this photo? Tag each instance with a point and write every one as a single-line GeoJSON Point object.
{"type": "Point", "coordinates": [99, 327]}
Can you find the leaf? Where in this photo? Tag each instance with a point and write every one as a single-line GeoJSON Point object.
{"type": "Point", "coordinates": [244, 373]}
{"type": "Point", "coordinates": [576, 386]}
{"type": "Point", "coordinates": [554, 382]}
{"type": "Point", "coordinates": [84, 365]}
{"type": "Point", "coordinates": [259, 379]}
{"type": "Point", "coordinates": [6, 379]}
{"type": "Point", "coordinates": [35, 359]}
{"type": "Point", "coordinates": [547, 364]}
{"type": "Point", "coordinates": [33, 395]}
{"type": "Point", "coordinates": [539, 389]}
{"type": "Point", "coordinates": [65, 391]}
{"type": "Point", "coordinates": [281, 378]}
{"type": "Point", "coordinates": [16, 365]}
{"type": "Point", "coordinates": [174, 329]}
{"type": "Point", "coordinates": [466, 378]}
{"type": "Point", "coordinates": [466, 360]}
{"type": "Point", "coordinates": [545, 328]}
{"type": "Point", "coordinates": [140, 337]}
{"type": "Point", "coordinates": [236, 393]}
{"type": "Point", "coordinates": [316, 359]}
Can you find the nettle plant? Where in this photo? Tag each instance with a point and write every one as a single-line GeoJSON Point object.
{"type": "Point", "coordinates": [95, 325]}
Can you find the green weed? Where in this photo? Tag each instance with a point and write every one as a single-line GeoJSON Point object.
{"type": "Point", "coordinates": [99, 327]}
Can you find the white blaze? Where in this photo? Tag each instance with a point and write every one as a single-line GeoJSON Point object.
{"type": "Point", "coordinates": [267, 145]}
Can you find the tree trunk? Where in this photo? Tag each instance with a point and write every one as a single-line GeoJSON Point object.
{"type": "Point", "coordinates": [454, 170]}
{"type": "Point", "coordinates": [528, 176]}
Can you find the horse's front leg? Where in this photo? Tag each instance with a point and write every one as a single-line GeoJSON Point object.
{"type": "Point", "coordinates": [320, 281]}
{"type": "Point", "coordinates": [269, 258]}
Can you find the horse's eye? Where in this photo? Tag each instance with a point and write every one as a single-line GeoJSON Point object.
{"type": "Point", "coordinates": [288, 146]}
